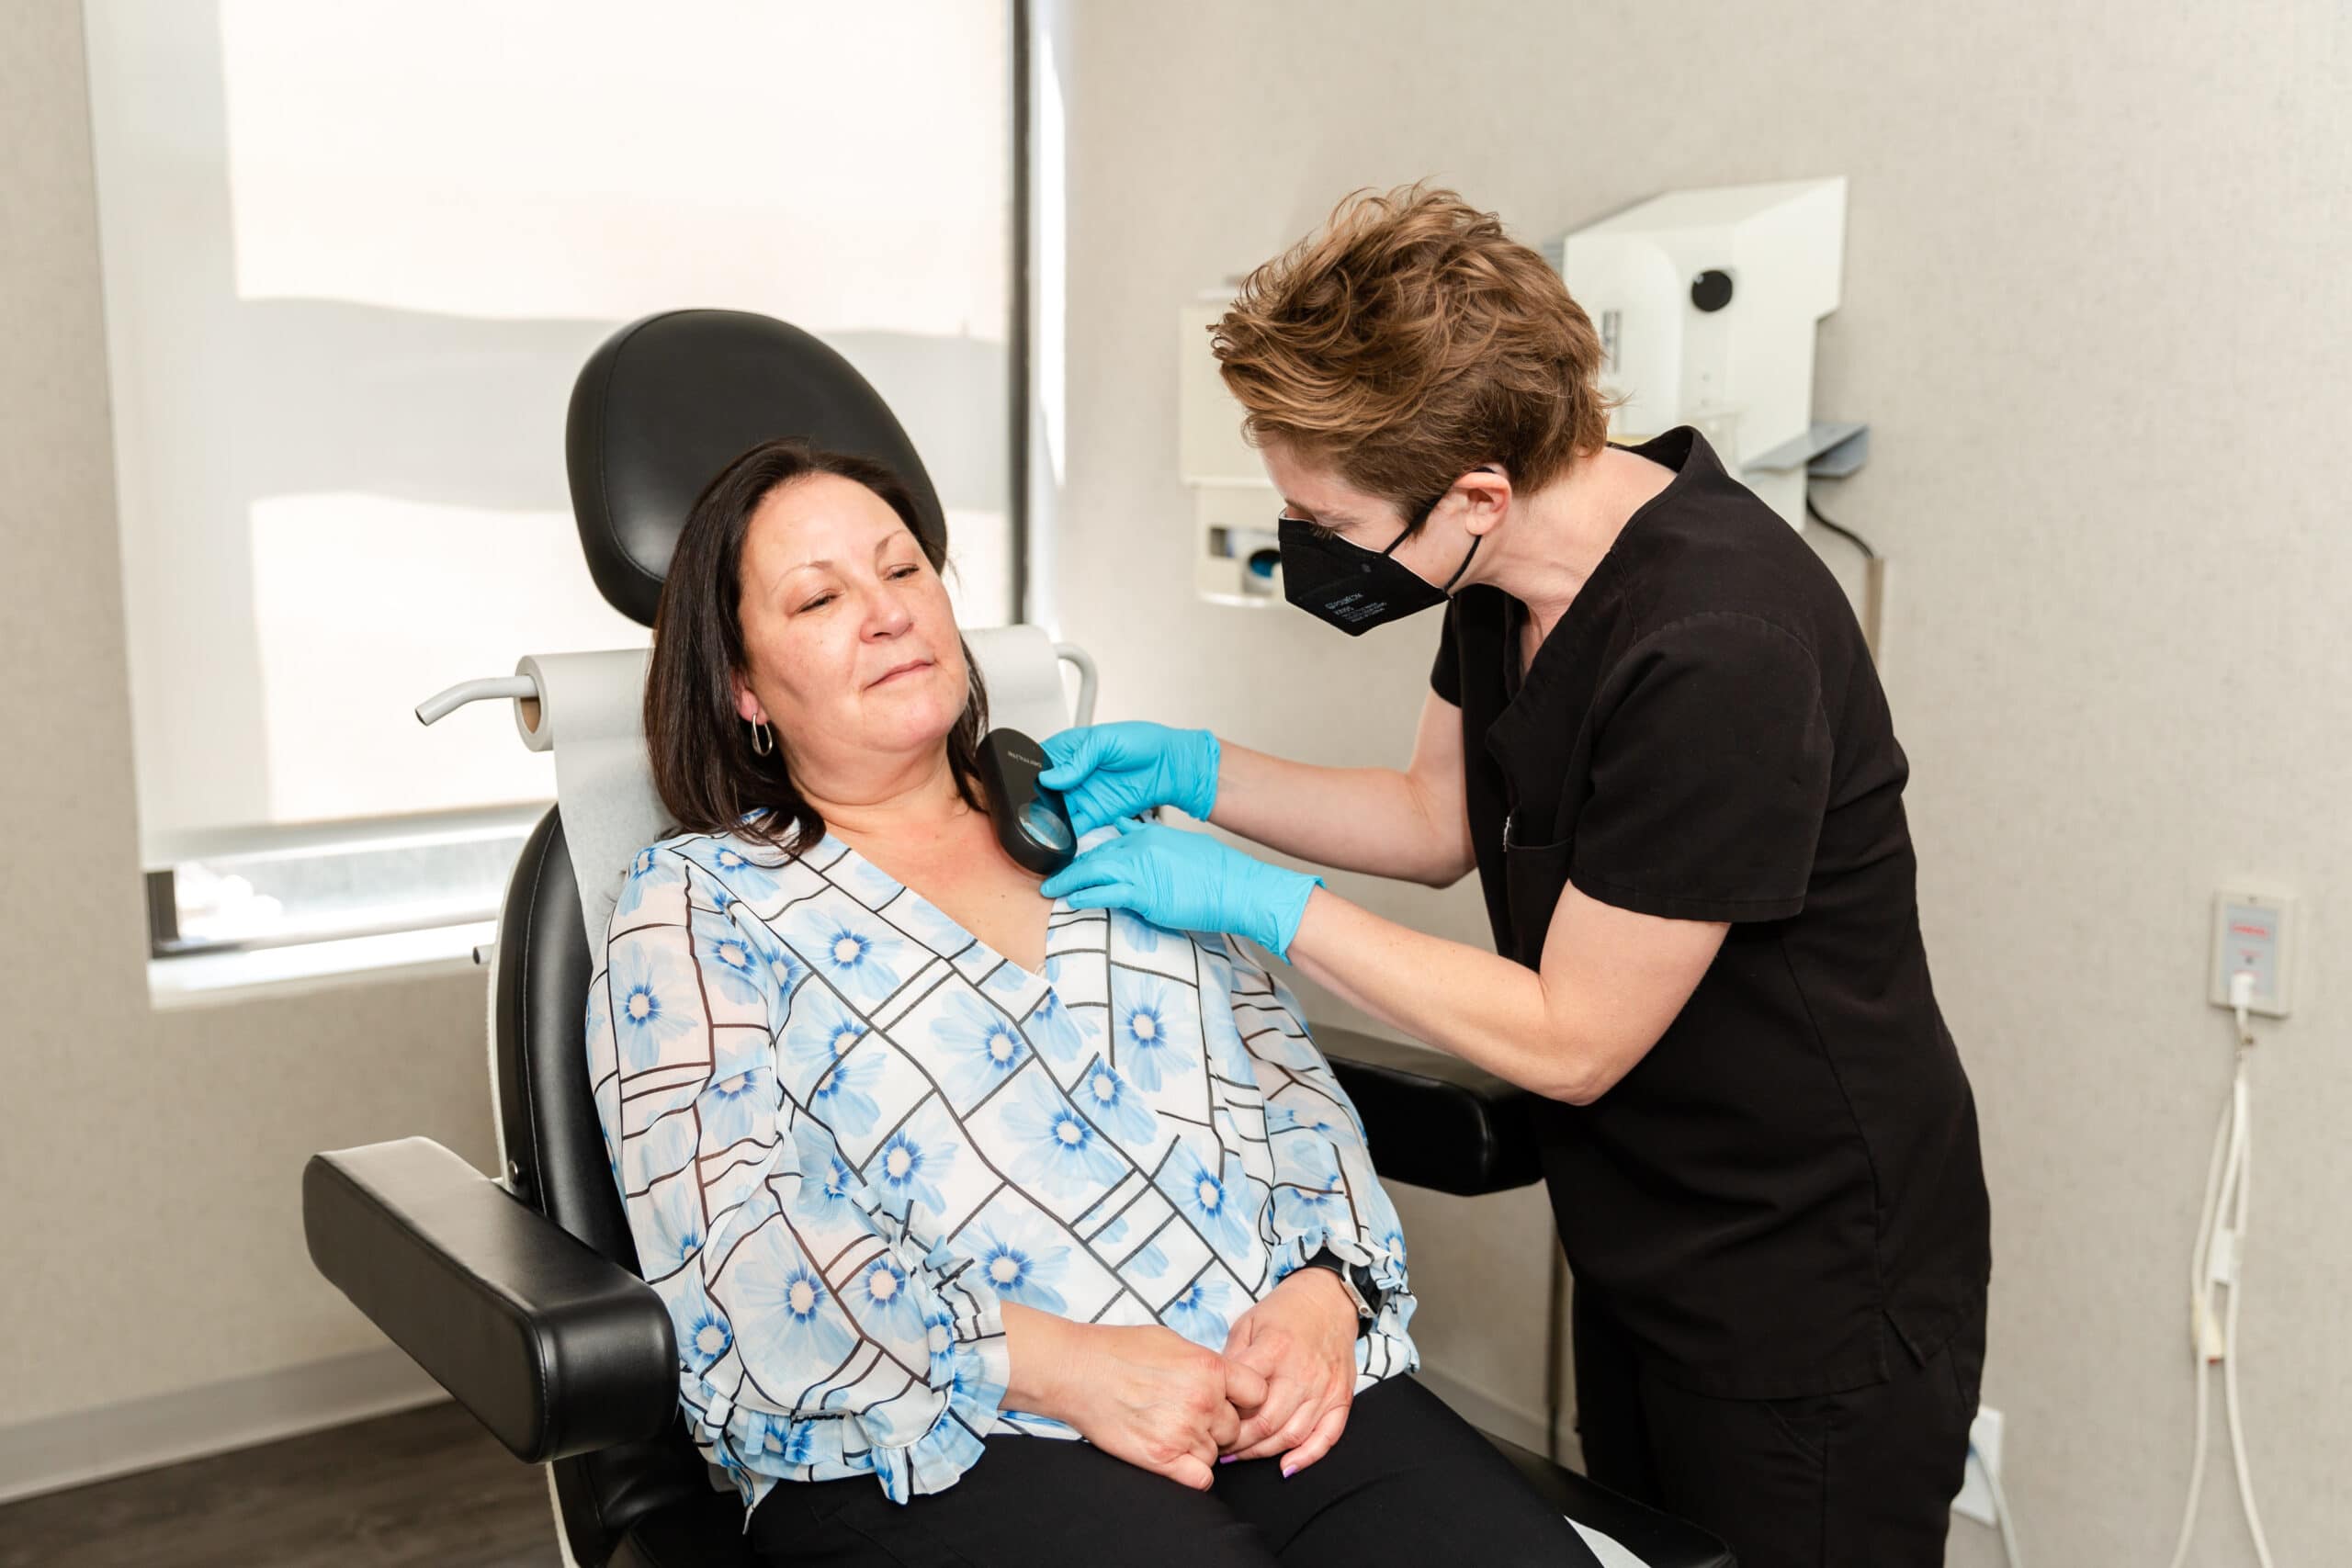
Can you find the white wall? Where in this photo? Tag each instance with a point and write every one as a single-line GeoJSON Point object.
{"type": "Point", "coordinates": [2095, 312]}
{"type": "Point", "coordinates": [150, 1163]}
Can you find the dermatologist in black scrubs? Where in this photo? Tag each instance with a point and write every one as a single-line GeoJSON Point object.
{"type": "Point", "coordinates": [1654, 731]}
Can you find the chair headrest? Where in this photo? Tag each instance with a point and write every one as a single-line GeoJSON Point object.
{"type": "Point", "coordinates": [670, 399]}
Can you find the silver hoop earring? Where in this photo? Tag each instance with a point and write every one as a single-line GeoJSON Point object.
{"type": "Point", "coordinates": [762, 738]}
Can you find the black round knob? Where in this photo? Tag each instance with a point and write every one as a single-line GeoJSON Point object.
{"type": "Point", "coordinates": [1711, 290]}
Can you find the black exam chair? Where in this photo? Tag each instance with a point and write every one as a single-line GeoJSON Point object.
{"type": "Point", "coordinates": [521, 1294]}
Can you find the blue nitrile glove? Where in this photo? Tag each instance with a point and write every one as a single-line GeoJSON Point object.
{"type": "Point", "coordinates": [1105, 772]}
{"type": "Point", "coordinates": [1187, 882]}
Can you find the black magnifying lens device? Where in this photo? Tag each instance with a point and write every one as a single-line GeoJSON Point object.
{"type": "Point", "coordinates": [1032, 823]}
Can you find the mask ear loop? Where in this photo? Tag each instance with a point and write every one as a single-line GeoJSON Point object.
{"type": "Point", "coordinates": [1476, 539]}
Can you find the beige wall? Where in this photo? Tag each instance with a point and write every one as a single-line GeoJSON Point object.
{"type": "Point", "coordinates": [151, 1227]}
{"type": "Point", "coordinates": [2095, 312]}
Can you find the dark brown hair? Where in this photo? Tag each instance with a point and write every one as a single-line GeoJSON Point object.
{"type": "Point", "coordinates": [708, 777]}
{"type": "Point", "coordinates": [1409, 341]}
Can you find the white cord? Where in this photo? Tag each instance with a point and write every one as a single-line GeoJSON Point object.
{"type": "Point", "coordinates": [2216, 1263]}
{"type": "Point", "coordinates": [2203, 1342]}
{"type": "Point", "coordinates": [2000, 1508]}
{"type": "Point", "coordinates": [2237, 1292]}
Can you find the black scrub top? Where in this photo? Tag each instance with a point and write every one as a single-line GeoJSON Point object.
{"type": "Point", "coordinates": [1784, 1197]}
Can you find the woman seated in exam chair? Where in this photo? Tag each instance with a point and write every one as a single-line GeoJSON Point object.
{"type": "Point", "coordinates": [993, 1230]}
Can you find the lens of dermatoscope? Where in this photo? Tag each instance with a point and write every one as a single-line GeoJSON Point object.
{"type": "Point", "coordinates": [1043, 827]}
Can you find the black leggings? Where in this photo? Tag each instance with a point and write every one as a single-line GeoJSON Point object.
{"type": "Point", "coordinates": [1409, 1482]}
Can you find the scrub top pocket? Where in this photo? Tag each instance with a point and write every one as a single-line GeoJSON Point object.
{"type": "Point", "coordinates": [1533, 877]}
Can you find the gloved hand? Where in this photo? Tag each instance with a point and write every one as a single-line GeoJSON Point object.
{"type": "Point", "coordinates": [1105, 772]}
{"type": "Point", "coordinates": [1187, 882]}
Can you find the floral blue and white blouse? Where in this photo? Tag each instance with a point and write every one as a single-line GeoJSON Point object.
{"type": "Point", "coordinates": [845, 1131]}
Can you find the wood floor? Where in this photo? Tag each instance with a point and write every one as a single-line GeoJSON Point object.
{"type": "Point", "coordinates": [426, 1486]}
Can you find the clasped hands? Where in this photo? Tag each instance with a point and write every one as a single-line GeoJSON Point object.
{"type": "Point", "coordinates": [1282, 1386]}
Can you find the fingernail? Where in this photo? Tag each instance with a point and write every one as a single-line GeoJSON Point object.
{"type": "Point", "coordinates": [1288, 1471]}
{"type": "Point", "coordinates": [1227, 1459]}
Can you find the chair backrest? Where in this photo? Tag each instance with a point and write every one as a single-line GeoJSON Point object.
{"type": "Point", "coordinates": [660, 407]}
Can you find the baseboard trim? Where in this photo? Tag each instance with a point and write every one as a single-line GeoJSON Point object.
{"type": "Point", "coordinates": [76, 1448]}
{"type": "Point", "coordinates": [1504, 1419]}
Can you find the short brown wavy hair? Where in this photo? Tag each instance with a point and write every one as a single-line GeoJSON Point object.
{"type": "Point", "coordinates": [1409, 341]}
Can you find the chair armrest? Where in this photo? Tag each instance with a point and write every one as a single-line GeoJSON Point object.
{"type": "Point", "coordinates": [1434, 1120]}
{"type": "Point", "coordinates": [555, 1348]}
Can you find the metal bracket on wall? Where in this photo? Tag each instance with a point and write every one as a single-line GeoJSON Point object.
{"type": "Point", "coordinates": [1830, 449]}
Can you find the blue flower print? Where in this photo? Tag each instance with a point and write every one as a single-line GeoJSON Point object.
{"type": "Point", "coordinates": [718, 896]}
{"type": "Point", "coordinates": [826, 1179]}
{"type": "Point", "coordinates": [593, 1024]}
{"type": "Point", "coordinates": [1134, 932]}
{"type": "Point", "coordinates": [730, 962]}
{"type": "Point", "coordinates": [1022, 1274]}
{"type": "Point", "coordinates": [1223, 1040]}
{"type": "Point", "coordinates": [1057, 1035]}
{"type": "Point", "coordinates": [703, 1333]}
{"type": "Point", "coordinates": [921, 920]}
{"type": "Point", "coordinates": [861, 878]}
{"type": "Point", "coordinates": [652, 1000]}
{"type": "Point", "coordinates": [1149, 1260]}
{"type": "Point", "coordinates": [818, 1032]}
{"type": "Point", "coordinates": [840, 1097]}
{"type": "Point", "coordinates": [1198, 1313]}
{"type": "Point", "coordinates": [1390, 1245]}
{"type": "Point", "coordinates": [1379, 1220]}
{"type": "Point", "coordinates": [981, 1045]}
{"type": "Point", "coordinates": [738, 1107]}
{"type": "Point", "coordinates": [907, 1172]}
{"type": "Point", "coordinates": [743, 876]}
{"type": "Point", "coordinates": [676, 1233]}
{"type": "Point", "coordinates": [789, 1321]}
{"type": "Point", "coordinates": [845, 949]}
{"type": "Point", "coordinates": [650, 869]}
{"type": "Point", "coordinates": [786, 971]}
{"type": "Point", "coordinates": [939, 1334]}
{"type": "Point", "coordinates": [1214, 1200]}
{"type": "Point", "coordinates": [824, 1070]}
{"type": "Point", "coordinates": [1059, 1149]}
{"type": "Point", "coordinates": [884, 1301]}
{"type": "Point", "coordinates": [1113, 1105]}
{"type": "Point", "coordinates": [852, 950]}
{"type": "Point", "coordinates": [972, 1382]}
{"type": "Point", "coordinates": [1146, 1035]}
{"type": "Point", "coordinates": [779, 1442]}
{"type": "Point", "coordinates": [1308, 1206]}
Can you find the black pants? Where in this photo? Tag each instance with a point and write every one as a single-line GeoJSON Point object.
{"type": "Point", "coordinates": [1862, 1479]}
{"type": "Point", "coordinates": [1409, 1482]}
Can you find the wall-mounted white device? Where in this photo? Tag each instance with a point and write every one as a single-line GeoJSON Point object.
{"type": "Point", "coordinates": [2254, 933]}
{"type": "Point", "coordinates": [1233, 559]}
{"type": "Point", "coordinates": [1706, 302]}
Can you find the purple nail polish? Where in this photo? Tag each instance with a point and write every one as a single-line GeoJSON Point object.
{"type": "Point", "coordinates": [1288, 1472]}
{"type": "Point", "coordinates": [1227, 1459]}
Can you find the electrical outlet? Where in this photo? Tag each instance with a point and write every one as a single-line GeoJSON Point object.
{"type": "Point", "coordinates": [2254, 933]}
{"type": "Point", "coordinates": [1975, 1499]}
